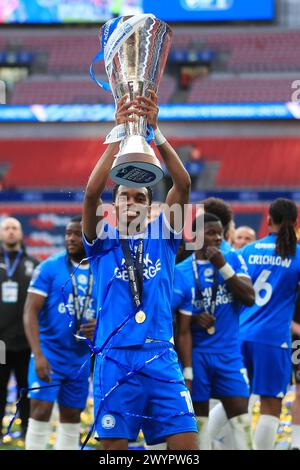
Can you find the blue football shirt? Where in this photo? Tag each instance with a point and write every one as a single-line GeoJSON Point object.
{"type": "Point", "coordinates": [186, 300]}
{"type": "Point", "coordinates": [225, 246]}
{"type": "Point", "coordinates": [116, 310]}
{"type": "Point", "coordinates": [275, 283]}
{"type": "Point", "coordinates": [56, 336]}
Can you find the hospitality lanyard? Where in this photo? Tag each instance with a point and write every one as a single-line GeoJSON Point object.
{"type": "Point", "coordinates": [79, 312]}
{"type": "Point", "coordinates": [135, 270]}
{"type": "Point", "coordinates": [11, 269]}
{"type": "Point", "coordinates": [198, 286]}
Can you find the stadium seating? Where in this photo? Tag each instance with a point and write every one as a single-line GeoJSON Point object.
{"type": "Point", "coordinates": [249, 51]}
{"type": "Point", "coordinates": [69, 54]}
{"type": "Point", "coordinates": [65, 163]}
{"type": "Point", "coordinates": [72, 90]}
{"type": "Point", "coordinates": [239, 90]}
{"type": "Point", "coordinates": [258, 50]}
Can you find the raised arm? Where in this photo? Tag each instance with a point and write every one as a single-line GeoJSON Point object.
{"type": "Point", "coordinates": [92, 204]}
{"type": "Point", "coordinates": [240, 286]}
{"type": "Point", "coordinates": [180, 191]}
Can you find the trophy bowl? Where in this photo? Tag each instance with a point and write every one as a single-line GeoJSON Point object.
{"type": "Point", "coordinates": [135, 54]}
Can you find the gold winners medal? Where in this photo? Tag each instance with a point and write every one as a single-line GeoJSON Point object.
{"type": "Point", "coordinates": [140, 316]}
{"type": "Point", "coordinates": [211, 330]}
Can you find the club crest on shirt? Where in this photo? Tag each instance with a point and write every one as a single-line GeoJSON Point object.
{"type": "Point", "coordinates": [108, 422]}
{"type": "Point", "coordinates": [82, 279]}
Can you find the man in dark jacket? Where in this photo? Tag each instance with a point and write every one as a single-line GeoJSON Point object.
{"type": "Point", "coordinates": [16, 269]}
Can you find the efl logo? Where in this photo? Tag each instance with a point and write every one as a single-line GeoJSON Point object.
{"type": "Point", "coordinates": [2, 92]}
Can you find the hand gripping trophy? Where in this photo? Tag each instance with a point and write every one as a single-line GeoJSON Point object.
{"type": "Point", "coordinates": [135, 52]}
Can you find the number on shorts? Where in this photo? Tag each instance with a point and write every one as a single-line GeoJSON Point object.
{"type": "Point", "coordinates": [186, 395]}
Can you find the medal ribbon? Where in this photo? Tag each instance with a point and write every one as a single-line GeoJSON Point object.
{"type": "Point", "coordinates": [212, 302]}
{"type": "Point", "coordinates": [79, 312]}
{"type": "Point", "coordinates": [11, 269]}
{"type": "Point", "coordinates": [135, 270]}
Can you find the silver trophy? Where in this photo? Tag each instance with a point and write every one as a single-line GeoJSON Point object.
{"type": "Point", "coordinates": [135, 57]}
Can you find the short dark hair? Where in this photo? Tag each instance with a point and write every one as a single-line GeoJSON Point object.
{"type": "Point", "coordinates": [218, 207]}
{"type": "Point", "coordinates": [115, 192]}
{"type": "Point", "coordinates": [75, 219]}
{"type": "Point", "coordinates": [207, 217]}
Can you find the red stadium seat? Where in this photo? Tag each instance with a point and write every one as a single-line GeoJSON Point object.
{"type": "Point", "coordinates": [65, 163]}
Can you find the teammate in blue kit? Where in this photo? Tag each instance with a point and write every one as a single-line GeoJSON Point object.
{"type": "Point", "coordinates": [60, 284]}
{"type": "Point", "coordinates": [219, 208]}
{"type": "Point", "coordinates": [208, 289]}
{"type": "Point", "coordinates": [137, 379]}
{"type": "Point", "coordinates": [265, 328]}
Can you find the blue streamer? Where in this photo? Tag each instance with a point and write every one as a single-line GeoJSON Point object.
{"type": "Point", "coordinates": [107, 30]}
{"type": "Point", "coordinates": [150, 134]}
{"type": "Point", "coordinates": [104, 351]}
{"type": "Point", "coordinates": [98, 58]}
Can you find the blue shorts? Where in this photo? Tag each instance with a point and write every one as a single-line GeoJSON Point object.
{"type": "Point", "coordinates": [154, 398]}
{"type": "Point", "coordinates": [68, 391]}
{"type": "Point", "coordinates": [269, 368]}
{"type": "Point", "coordinates": [218, 376]}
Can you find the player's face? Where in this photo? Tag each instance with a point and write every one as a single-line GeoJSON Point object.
{"type": "Point", "coordinates": [131, 204]}
{"type": "Point", "coordinates": [213, 234]}
{"type": "Point", "coordinates": [243, 237]}
{"type": "Point", "coordinates": [73, 238]}
{"type": "Point", "coordinates": [11, 232]}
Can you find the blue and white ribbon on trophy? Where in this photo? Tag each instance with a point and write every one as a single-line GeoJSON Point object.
{"type": "Point", "coordinates": [114, 34]}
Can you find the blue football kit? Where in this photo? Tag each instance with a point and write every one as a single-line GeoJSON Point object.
{"type": "Point", "coordinates": [217, 362]}
{"type": "Point", "coordinates": [138, 383]}
{"type": "Point", "coordinates": [225, 246]}
{"type": "Point", "coordinates": [69, 357]}
{"type": "Point", "coordinates": [265, 328]}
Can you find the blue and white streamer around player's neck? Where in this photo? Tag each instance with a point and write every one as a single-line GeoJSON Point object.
{"type": "Point", "coordinates": [103, 351]}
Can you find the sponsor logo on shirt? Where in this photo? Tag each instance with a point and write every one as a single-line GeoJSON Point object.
{"type": "Point", "coordinates": [223, 298]}
{"type": "Point", "coordinates": [265, 246]}
{"type": "Point", "coordinates": [90, 312]}
{"type": "Point", "coordinates": [150, 269]}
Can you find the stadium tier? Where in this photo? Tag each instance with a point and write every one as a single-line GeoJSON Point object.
{"type": "Point", "coordinates": [58, 64]}
{"type": "Point", "coordinates": [240, 162]}
{"type": "Point", "coordinates": [82, 90]}
{"type": "Point", "coordinates": [240, 90]}
{"type": "Point", "coordinates": [203, 90]}
{"type": "Point", "coordinates": [268, 50]}
{"type": "Point", "coordinates": [249, 51]}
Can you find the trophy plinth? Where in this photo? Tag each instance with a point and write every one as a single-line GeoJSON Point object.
{"type": "Point", "coordinates": [135, 54]}
{"type": "Point", "coordinates": [136, 164]}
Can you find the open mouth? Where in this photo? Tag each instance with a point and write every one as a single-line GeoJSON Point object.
{"type": "Point", "coordinates": [132, 213]}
